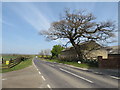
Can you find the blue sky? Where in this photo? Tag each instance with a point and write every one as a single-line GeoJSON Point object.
{"type": "Point", "coordinates": [22, 22]}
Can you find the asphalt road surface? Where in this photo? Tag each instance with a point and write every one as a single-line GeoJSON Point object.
{"type": "Point", "coordinates": [24, 78]}
{"type": "Point", "coordinates": [62, 76]}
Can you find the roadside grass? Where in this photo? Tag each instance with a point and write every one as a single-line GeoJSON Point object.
{"type": "Point", "coordinates": [82, 65]}
{"type": "Point", "coordinates": [21, 65]}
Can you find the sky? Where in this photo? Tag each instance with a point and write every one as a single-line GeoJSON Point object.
{"type": "Point", "coordinates": [22, 22]}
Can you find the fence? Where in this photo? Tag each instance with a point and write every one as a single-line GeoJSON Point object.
{"type": "Point", "coordinates": [12, 62]}
{"type": "Point", "coordinates": [112, 62]}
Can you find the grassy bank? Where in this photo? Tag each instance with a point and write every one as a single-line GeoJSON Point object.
{"type": "Point", "coordinates": [27, 61]}
{"type": "Point", "coordinates": [82, 65]}
{"type": "Point", "coordinates": [22, 65]}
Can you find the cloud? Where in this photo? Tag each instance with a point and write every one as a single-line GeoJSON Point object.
{"type": "Point", "coordinates": [32, 15]}
{"type": "Point", "coordinates": [61, 41]}
{"type": "Point", "coordinates": [7, 23]}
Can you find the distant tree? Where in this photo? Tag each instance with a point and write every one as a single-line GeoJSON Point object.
{"type": "Point", "coordinates": [41, 53]}
{"type": "Point", "coordinates": [79, 27]}
{"type": "Point", "coordinates": [56, 50]}
{"type": "Point", "coordinates": [45, 52]}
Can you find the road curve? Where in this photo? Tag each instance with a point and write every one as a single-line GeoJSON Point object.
{"type": "Point", "coordinates": [58, 75]}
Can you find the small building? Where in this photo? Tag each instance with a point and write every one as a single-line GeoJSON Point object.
{"type": "Point", "coordinates": [90, 49]}
{"type": "Point", "coordinates": [113, 49]}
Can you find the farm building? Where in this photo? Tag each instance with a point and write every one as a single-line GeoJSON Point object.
{"type": "Point", "coordinates": [91, 50]}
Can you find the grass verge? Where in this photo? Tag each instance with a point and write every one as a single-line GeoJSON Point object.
{"type": "Point", "coordinates": [21, 65]}
{"type": "Point", "coordinates": [82, 65]}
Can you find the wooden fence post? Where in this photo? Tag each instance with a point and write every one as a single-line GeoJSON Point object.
{"type": "Point", "coordinates": [99, 61]}
{"type": "Point", "coordinates": [2, 60]}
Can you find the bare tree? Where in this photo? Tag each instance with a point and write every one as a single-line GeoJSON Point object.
{"type": "Point", "coordinates": [45, 52]}
{"type": "Point", "coordinates": [79, 27]}
{"type": "Point", "coordinates": [42, 53]}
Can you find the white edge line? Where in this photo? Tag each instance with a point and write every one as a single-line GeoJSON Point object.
{"type": "Point", "coordinates": [77, 67]}
{"type": "Point", "coordinates": [48, 86]}
{"type": "Point", "coordinates": [35, 67]}
{"type": "Point", "coordinates": [43, 78]}
{"type": "Point", "coordinates": [97, 72]}
{"type": "Point", "coordinates": [4, 79]}
{"type": "Point", "coordinates": [76, 75]}
{"type": "Point", "coordinates": [34, 64]}
{"type": "Point", "coordinates": [51, 65]}
{"type": "Point", "coordinates": [114, 77]}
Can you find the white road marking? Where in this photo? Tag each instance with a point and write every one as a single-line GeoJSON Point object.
{"type": "Point", "coordinates": [48, 86]}
{"type": "Point", "coordinates": [76, 75]}
{"type": "Point", "coordinates": [43, 78]}
{"type": "Point", "coordinates": [77, 67]}
{"type": "Point", "coordinates": [114, 77]}
{"type": "Point", "coordinates": [39, 72]}
{"type": "Point", "coordinates": [96, 72]}
{"type": "Point", "coordinates": [51, 65]}
{"type": "Point", "coordinates": [34, 65]}
{"type": "Point", "coordinates": [4, 79]}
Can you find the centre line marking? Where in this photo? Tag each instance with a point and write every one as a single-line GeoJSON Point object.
{"type": "Point", "coordinates": [43, 78]}
{"type": "Point", "coordinates": [76, 75]}
{"type": "Point", "coordinates": [48, 86]}
{"type": "Point", "coordinates": [39, 72]}
{"type": "Point", "coordinates": [4, 79]}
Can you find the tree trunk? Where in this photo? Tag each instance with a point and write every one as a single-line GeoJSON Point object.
{"type": "Point", "coordinates": [78, 51]}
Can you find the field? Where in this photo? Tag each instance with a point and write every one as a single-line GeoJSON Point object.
{"type": "Point", "coordinates": [27, 61]}
{"type": "Point", "coordinates": [8, 57]}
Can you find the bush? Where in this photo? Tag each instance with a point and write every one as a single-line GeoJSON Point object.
{"type": "Point", "coordinates": [23, 58]}
{"type": "Point", "coordinates": [93, 63]}
{"type": "Point", "coordinates": [56, 50]}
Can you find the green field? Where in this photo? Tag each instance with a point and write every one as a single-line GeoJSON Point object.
{"type": "Point", "coordinates": [8, 57]}
{"type": "Point", "coordinates": [21, 65]}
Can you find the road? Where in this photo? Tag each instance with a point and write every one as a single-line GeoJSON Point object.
{"type": "Point", "coordinates": [62, 76]}
{"type": "Point", "coordinates": [24, 78]}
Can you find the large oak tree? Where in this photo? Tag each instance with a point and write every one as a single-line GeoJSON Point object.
{"type": "Point", "coordinates": [78, 27]}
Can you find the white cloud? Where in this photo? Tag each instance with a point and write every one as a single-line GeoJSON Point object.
{"type": "Point", "coordinates": [7, 23]}
{"type": "Point", "coordinates": [32, 15]}
{"type": "Point", "coordinates": [61, 41]}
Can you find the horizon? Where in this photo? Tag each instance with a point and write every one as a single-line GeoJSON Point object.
{"type": "Point", "coordinates": [22, 22]}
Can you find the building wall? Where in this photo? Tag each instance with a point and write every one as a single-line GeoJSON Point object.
{"type": "Point", "coordinates": [70, 55]}
{"type": "Point", "coordinates": [97, 53]}
{"type": "Point", "coordinates": [112, 62]}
